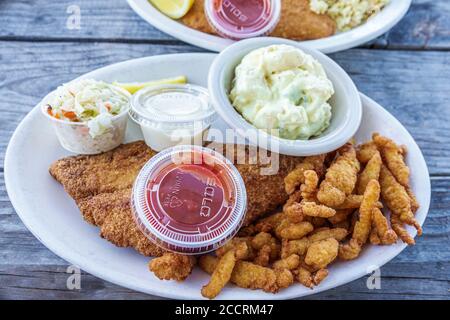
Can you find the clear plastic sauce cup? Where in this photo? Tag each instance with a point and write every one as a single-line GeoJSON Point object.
{"type": "Point", "coordinates": [172, 115]}
{"type": "Point", "coordinates": [241, 19]}
{"type": "Point", "coordinates": [189, 199]}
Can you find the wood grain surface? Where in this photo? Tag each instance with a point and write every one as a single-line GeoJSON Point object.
{"type": "Point", "coordinates": [406, 70]}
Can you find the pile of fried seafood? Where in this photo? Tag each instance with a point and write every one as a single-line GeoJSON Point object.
{"type": "Point", "coordinates": [315, 211]}
{"type": "Point", "coordinates": [334, 209]}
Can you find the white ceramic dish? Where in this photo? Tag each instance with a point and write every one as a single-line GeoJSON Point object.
{"type": "Point", "coordinates": [345, 103]}
{"type": "Point", "coordinates": [373, 28]}
{"type": "Point", "coordinates": [52, 216]}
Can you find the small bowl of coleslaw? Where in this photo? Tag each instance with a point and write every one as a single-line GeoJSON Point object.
{"type": "Point", "coordinates": [89, 116]}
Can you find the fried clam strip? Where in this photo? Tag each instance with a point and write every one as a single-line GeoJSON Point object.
{"type": "Point", "coordinates": [340, 216]}
{"type": "Point", "coordinates": [350, 251]}
{"type": "Point", "coordinates": [240, 245]}
{"type": "Point", "coordinates": [305, 277]}
{"type": "Point", "coordinates": [294, 212]}
{"type": "Point", "coordinates": [366, 151]}
{"type": "Point", "coordinates": [414, 203]}
{"type": "Point", "coordinates": [251, 276]}
{"type": "Point", "coordinates": [361, 230]}
{"type": "Point", "coordinates": [264, 239]}
{"type": "Point", "coordinates": [220, 276]}
{"type": "Point", "coordinates": [313, 209]}
{"type": "Point", "coordinates": [296, 177]}
{"type": "Point", "coordinates": [393, 157]}
{"type": "Point", "coordinates": [363, 225]}
{"type": "Point", "coordinates": [101, 186]}
{"type": "Point", "coordinates": [380, 225]}
{"type": "Point", "coordinates": [291, 231]}
{"type": "Point", "coordinates": [263, 256]}
{"type": "Point", "coordinates": [172, 266]}
{"type": "Point", "coordinates": [397, 200]}
{"type": "Point", "coordinates": [370, 172]}
{"type": "Point", "coordinates": [299, 22]}
{"type": "Point", "coordinates": [374, 238]}
{"type": "Point", "coordinates": [399, 229]}
{"type": "Point", "coordinates": [321, 253]}
{"type": "Point", "coordinates": [308, 189]}
{"type": "Point", "coordinates": [300, 246]}
{"type": "Point", "coordinates": [290, 263]}
{"type": "Point", "coordinates": [353, 201]}
{"type": "Point", "coordinates": [340, 179]}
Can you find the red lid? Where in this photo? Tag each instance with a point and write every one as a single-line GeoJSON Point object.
{"type": "Point", "coordinates": [189, 199]}
{"type": "Point", "coordinates": [239, 19]}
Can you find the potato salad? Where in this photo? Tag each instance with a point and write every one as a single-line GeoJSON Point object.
{"type": "Point", "coordinates": [284, 91]}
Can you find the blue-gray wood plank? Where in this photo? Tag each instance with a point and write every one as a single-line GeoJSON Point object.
{"type": "Point", "coordinates": [407, 70]}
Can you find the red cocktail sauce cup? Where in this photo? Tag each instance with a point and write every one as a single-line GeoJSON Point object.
{"type": "Point", "coordinates": [241, 19]}
{"type": "Point", "coordinates": [189, 199]}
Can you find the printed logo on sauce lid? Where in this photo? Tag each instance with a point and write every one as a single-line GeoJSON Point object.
{"type": "Point", "coordinates": [189, 199]}
{"type": "Point", "coordinates": [240, 19]}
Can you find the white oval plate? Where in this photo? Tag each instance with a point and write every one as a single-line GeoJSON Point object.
{"type": "Point", "coordinates": [374, 27]}
{"type": "Point", "coordinates": [52, 216]}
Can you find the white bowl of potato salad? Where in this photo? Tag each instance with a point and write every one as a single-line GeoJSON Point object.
{"type": "Point", "coordinates": [88, 116]}
{"type": "Point", "coordinates": [299, 101]}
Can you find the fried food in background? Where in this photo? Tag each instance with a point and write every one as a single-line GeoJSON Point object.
{"type": "Point", "coordinates": [297, 21]}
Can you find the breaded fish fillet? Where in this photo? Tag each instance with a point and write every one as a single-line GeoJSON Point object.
{"type": "Point", "coordinates": [297, 21]}
{"type": "Point", "coordinates": [101, 187]}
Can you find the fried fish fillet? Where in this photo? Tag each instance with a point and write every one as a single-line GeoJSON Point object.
{"type": "Point", "coordinates": [172, 266]}
{"type": "Point", "coordinates": [297, 21]}
{"type": "Point", "coordinates": [101, 187]}
{"type": "Point", "coordinates": [196, 18]}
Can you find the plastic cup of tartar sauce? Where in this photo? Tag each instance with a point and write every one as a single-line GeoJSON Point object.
{"type": "Point", "coordinates": [189, 199]}
{"type": "Point", "coordinates": [172, 115]}
{"type": "Point", "coordinates": [241, 19]}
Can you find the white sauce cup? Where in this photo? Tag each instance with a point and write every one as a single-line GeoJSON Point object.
{"type": "Point", "coordinates": [171, 115]}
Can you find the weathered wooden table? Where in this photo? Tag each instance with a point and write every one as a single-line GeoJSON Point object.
{"type": "Point", "coordinates": [407, 71]}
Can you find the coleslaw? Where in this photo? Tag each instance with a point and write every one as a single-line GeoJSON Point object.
{"type": "Point", "coordinates": [90, 101]}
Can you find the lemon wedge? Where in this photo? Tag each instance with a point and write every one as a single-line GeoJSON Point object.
{"type": "Point", "coordinates": [132, 87]}
{"type": "Point", "coordinates": [175, 9]}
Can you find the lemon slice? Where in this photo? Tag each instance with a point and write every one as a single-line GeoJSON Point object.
{"type": "Point", "coordinates": [175, 9]}
{"type": "Point", "coordinates": [132, 87]}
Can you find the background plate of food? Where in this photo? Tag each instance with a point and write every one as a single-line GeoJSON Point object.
{"type": "Point", "coordinates": [326, 25]}
{"type": "Point", "coordinates": [54, 218]}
